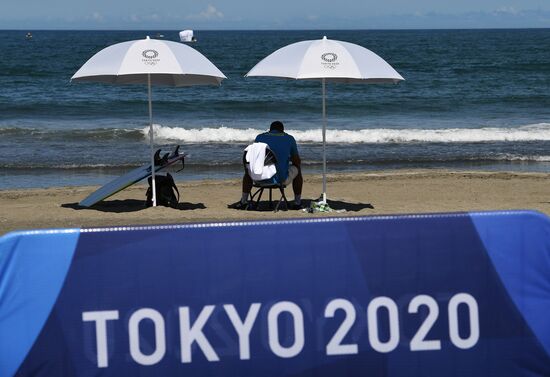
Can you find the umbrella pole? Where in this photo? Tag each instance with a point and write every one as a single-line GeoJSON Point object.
{"type": "Point", "coordinates": [324, 146]}
{"type": "Point", "coordinates": [151, 141]}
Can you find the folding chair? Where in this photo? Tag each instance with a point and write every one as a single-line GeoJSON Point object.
{"type": "Point", "coordinates": [272, 183]}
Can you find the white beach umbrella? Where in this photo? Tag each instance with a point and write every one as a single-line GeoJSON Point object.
{"type": "Point", "coordinates": [152, 62]}
{"type": "Point", "coordinates": [328, 61]}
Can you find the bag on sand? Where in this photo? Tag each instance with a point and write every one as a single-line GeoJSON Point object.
{"type": "Point", "coordinates": [167, 192]}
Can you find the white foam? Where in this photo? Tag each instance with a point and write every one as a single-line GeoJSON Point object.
{"type": "Point", "coordinates": [203, 135]}
{"type": "Point", "coordinates": [533, 132]}
{"type": "Point", "coordinates": [514, 157]}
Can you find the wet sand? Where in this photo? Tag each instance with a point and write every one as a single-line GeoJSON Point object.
{"type": "Point", "coordinates": [359, 194]}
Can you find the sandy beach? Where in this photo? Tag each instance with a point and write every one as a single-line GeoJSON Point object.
{"type": "Point", "coordinates": [359, 194]}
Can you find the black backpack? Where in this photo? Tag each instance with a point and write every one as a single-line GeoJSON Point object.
{"type": "Point", "coordinates": [167, 192]}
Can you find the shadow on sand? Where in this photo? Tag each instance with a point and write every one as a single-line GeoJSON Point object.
{"type": "Point", "coordinates": [128, 205]}
{"type": "Point", "coordinates": [349, 207]}
{"type": "Point", "coordinates": [264, 205]}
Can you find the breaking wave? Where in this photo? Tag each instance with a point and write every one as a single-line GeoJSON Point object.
{"type": "Point", "coordinates": [534, 132]}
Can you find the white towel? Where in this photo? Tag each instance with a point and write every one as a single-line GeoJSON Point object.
{"type": "Point", "coordinates": [255, 156]}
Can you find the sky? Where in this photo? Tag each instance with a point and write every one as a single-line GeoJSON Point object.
{"type": "Point", "coordinates": [279, 14]}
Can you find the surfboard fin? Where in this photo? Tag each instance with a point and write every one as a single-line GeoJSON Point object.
{"type": "Point", "coordinates": [176, 151]}
{"type": "Point", "coordinates": [182, 163]}
{"type": "Point", "coordinates": [156, 158]}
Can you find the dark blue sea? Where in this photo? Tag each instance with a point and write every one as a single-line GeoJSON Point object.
{"type": "Point", "coordinates": [472, 99]}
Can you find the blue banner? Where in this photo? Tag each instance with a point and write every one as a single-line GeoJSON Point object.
{"type": "Point", "coordinates": [421, 295]}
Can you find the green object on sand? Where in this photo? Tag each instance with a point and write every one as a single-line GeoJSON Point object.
{"type": "Point", "coordinates": [320, 206]}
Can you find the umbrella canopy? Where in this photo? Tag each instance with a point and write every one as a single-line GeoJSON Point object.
{"type": "Point", "coordinates": [168, 63]}
{"type": "Point", "coordinates": [326, 60]}
{"type": "Point", "coordinates": [152, 62]}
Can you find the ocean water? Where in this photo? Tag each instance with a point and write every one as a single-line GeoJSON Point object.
{"type": "Point", "coordinates": [472, 99]}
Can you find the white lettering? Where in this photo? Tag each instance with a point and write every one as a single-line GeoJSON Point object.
{"type": "Point", "coordinates": [273, 329]}
{"type": "Point", "coordinates": [471, 303]}
{"type": "Point", "coordinates": [160, 336]}
{"type": "Point", "coordinates": [243, 328]}
{"type": "Point", "coordinates": [100, 318]}
{"type": "Point", "coordinates": [419, 342]}
{"type": "Point", "coordinates": [372, 319]}
{"type": "Point", "coordinates": [286, 329]}
{"type": "Point", "coordinates": [335, 346]}
{"type": "Point", "coordinates": [193, 333]}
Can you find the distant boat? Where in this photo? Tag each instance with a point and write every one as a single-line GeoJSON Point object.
{"type": "Point", "coordinates": [187, 36]}
{"type": "Point", "coordinates": [159, 35]}
{"type": "Point", "coordinates": [29, 35]}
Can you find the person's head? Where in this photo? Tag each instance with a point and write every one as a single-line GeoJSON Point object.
{"type": "Point", "coordinates": [277, 126]}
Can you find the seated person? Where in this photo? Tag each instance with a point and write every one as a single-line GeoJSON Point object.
{"type": "Point", "coordinates": [284, 147]}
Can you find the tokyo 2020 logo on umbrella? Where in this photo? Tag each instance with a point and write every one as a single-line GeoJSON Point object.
{"type": "Point", "coordinates": [329, 57]}
{"type": "Point", "coordinates": [329, 60]}
{"type": "Point", "coordinates": [150, 54]}
{"type": "Point", "coordinates": [150, 57]}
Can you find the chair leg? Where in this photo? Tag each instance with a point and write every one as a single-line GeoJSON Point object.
{"type": "Point", "coordinates": [284, 197]}
{"type": "Point", "coordinates": [277, 206]}
{"type": "Point", "coordinates": [253, 195]}
{"type": "Point", "coordinates": [259, 197]}
{"type": "Point", "coordinates": [270, 198]}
